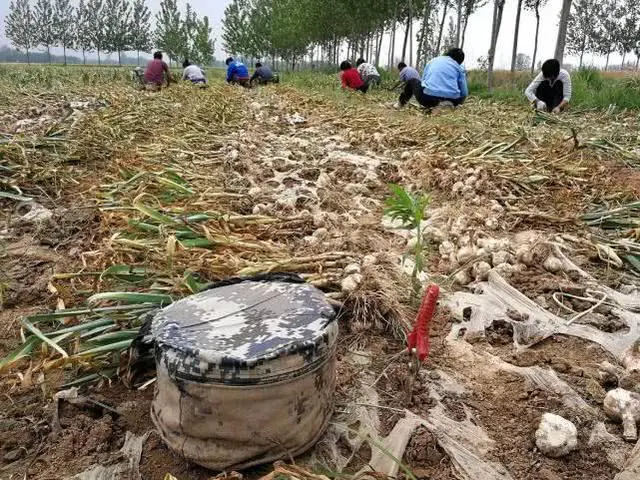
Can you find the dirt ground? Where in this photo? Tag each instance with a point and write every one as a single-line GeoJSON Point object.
{"type": "Point", "coordinates": [280, 164]}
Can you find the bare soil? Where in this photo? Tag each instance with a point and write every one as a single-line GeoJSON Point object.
{"type": "Point", "coordinates": [506, 406]}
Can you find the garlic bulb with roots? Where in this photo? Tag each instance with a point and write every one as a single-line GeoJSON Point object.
{"type": "Point", "coordinates": [465, 254]}
{"type": "Point", "coordinates": [254, 191]}
{"type": "Point", "coordinates": [352, 268]}
{"type": "Point", "coordinates": [524, 255]}
{"type": "Point", "coordinates": [471, 181]}
{"type": "Point", "coordinates": [623, 405]}
{"type": "Point", "coordinates": [552, 264]}
{"type": "Point", "coordinates": [446, 248]}
{"type": "Point", "coordinates": [505, 270]}
{"type": "Point", "coordinates": [500, 257]}
{"type": "Point", "coordinates": [481, 270]}
{"type": "Point", "coordinates": [462, 278]}
{"type": "Point", "coordinates": [350, 284]}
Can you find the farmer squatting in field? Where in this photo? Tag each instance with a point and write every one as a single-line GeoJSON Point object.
{"type": "Point", "coordinates": [156, 73]}
{"type": "Point", "coordinates": [351, 78]}
{"type": "Point", "coordinates": [550, 91]}
{"type": "Point", "coordinates": [237, 73]}
{"type": "Point", "coordinates": [263, 75]}
{"type": "Point", "coordinates": [405, 74]}
{"type": "Point", "coordinates": [368, 72]}
{"type": "Point", "coordinates": [193, 73]}
{"type": "Point", "coordinates": [443, 82]}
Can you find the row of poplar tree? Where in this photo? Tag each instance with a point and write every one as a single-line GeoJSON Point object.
{"type": "Point", "coordinates": [319, 29]}
{"type": "Point", "coordinates": [601, 27]}
{"type": "Point", "coordinates": [109, 26]}
{"type": "Point", "coordinates": [292, 29]}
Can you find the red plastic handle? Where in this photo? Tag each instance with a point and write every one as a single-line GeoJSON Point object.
{"type": "Point", "coordinates": [419, 337]}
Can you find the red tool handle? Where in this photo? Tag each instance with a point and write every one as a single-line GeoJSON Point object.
{"type": "Point", "coordinates": [419, 336]}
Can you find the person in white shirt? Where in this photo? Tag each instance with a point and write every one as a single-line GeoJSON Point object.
{"type": "Point", "coordinates": [550, 91]}
{"type": "Point", "coordinates": [368, 73]}
{"type": "Point", "coordinates": [193, 73]}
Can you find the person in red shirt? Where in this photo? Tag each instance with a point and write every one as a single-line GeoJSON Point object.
{"type": "Point", "coordinates": [351, 78]}
{"type": "Point", "coordinates": [156, 72]}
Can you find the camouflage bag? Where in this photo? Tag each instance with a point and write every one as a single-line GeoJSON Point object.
{"type": "Point", "coordinates": [245, 372]}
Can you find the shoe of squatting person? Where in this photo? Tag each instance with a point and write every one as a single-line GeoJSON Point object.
{"type": "Point", "coordinates": [446, 104]}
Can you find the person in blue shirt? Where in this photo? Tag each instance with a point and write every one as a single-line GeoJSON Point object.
{"type": "Point", "coordinates": [443, 80]}
{"type": "Point", "coordinates": [237, 73]}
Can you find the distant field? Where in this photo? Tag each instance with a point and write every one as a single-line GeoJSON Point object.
{"type": "Point", "coordinates": [591, 88]}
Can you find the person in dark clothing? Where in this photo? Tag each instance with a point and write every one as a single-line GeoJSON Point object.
{"type": "Point", "coordinates": [263, 75]}
{"type": "Point", "coordinates": [550, 91]}
{"type": "Point", "coordinates": [351, 78]}
{"type": "Point", "coordinates": [237, 73]}
{"type": "Point", "coordinates": [443, 82]}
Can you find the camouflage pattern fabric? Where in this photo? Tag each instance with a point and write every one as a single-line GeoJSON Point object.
{"type": "Point", "coordinates": [246, 333]}
{"type": "Point", "coordinates": [245, 373]}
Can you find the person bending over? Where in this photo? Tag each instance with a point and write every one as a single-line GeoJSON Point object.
{"type": "Point", "coordinates": [156, 73]}
{"type": "Point", "coordinates": [368, 72]}
{"type": "Point", "coordinates": [237, 73]}
{"type": "Point", "coordinates": [406, 74]}
{"type": "Point", "coordinates": [351, 78]}
{"type": "Point", "coordinates": [443, 80]}
{"type": "Point", "coordinates": [550, 91]}
{"type": "Point", "coordinates": [263, 75]}
{"type": "Point", "coordinates": [193, 73]}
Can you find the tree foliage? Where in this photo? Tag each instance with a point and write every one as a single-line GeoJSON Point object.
{"type": "Point", "coordinates": [109, 26]}
{"type": "Point", "coordinates": [582, 28]}
{"type": "Point", "coordinates": [20, 26]}
{"type": "Point", "coordinates": [97, 26]}
{"type": "Point", "coordinates": [289, 29]}
{"type": "Point", "coordinates": [203, 44]}
{"type": "Point", "coordinates": [140, 27]}
{"type": "Point", "coordinates": [169, 31]}
{"type": "Point", "coordinates": [603, 27]}
{"type": "Point", "coordinates": [83, 29]}
{"type": "Point", "coordinates": [117, 33]}
{"type": "Point", "coordinates": [44, 20]}
{"type": "Point", "coordinates": [64, 25]}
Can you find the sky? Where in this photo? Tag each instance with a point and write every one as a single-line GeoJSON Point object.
{"type": "Point", "coordinates": [477, 39]}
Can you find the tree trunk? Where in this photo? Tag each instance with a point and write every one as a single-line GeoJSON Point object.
{"type": "Point", "coordinates": [64, 53]}
{"type": "Point", "coordinates": [459, 25]}
{"type": "Point", "coordinates": [379, 46]}
{"type": "Point", "coordinates": [562, 30]}
{"type": "Point", "coordinates": [84, 57]}
{"type": "Point", "coordinates": [119, 60]}
{"type": "Point", "coordinates": [29, 59]}
{"type": "Point", "coordinates": [606, 66]}
{"type": "Point", "coordinates": [424, 35]}
{"type": "Point", "coordinates": [444, 17]}
{"type": "Point", "coordinates": [392, 45]}
{"type": "Point", "coordinates": [411, 42]}
{"type": "Point", "coordinates": [624, 56]}
{"type": "Point", "coordinates": [581, 54]}
{"type": "Point", "coordinates": [464, 31]}
{"type": "Point", "coordinates": [406, 37]}
{"type": "Point", "coordinates": [535, 44]}
{"type": "Point", "coordinates": [498, 8]}
{"type": "Point", "coordinates": [514, 53]}
{"type": "Point", "coordinates": [637, 61]}
{"type": "Point", "coordinates": [138, 57]}
{"type": "Point", "coordinates": [98, 56]}
{"type": "Point", "coordinates": [49, 53]}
